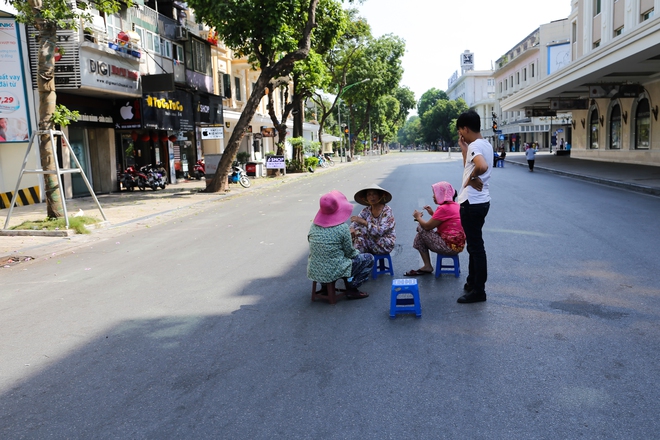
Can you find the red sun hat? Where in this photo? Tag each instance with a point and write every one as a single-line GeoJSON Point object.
{"type": "Point", "coordinates": [335, 210]}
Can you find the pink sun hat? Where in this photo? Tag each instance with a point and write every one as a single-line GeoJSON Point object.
{"type": "Point", "coordinates": [335, 210]}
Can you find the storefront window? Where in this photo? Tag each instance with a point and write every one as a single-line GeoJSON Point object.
{"type": "Point", "coordinates": [643, 125]}
{"type": "Point", "coordinates": [593, 130]}
{"type": "Point", "coordinates": [615, 128]}
{"type": "Point", "coordinates": [184, 155]}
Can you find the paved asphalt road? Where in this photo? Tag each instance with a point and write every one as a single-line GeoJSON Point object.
{"type": "Point", "coordinates": [201, 326]}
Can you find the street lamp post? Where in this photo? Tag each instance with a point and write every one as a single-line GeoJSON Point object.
{"type": "Point", "coordinates": [341, 137]}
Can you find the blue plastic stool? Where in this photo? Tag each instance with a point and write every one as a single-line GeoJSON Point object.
{"type": "Point", "coordinates": [454, 268]}
{"type": "Point", "coordinates": [405, 298]}
{"type": "Point", "coordinates": [380, 267]}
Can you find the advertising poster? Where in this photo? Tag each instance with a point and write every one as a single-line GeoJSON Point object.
{"type": "Point", "coordinates": [559, 56]}
{"type": "Point", "coordinates": [13, 109]}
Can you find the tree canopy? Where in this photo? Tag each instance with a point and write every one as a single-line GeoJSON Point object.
{"type": "Point", "coordinates": [273, 35]}
{"type": "Point", "coordinates": [435, 124]}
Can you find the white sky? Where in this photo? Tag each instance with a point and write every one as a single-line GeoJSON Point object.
{"type": "Point", "coordinates": [438, 31]}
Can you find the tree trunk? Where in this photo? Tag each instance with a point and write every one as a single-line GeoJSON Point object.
{"type": "Point", "coordinates": [298, 110]}
{"type": "Point", "coordinates": [47, 101]}
{"type": "Point", "coordinates": [220, 178]}
{"type": "Point", "coordinates": [280, 126]}
{"type": "Point", "coordinates": [268, 72]}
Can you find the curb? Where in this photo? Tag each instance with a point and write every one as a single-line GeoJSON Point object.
{"type": "Point", "coordinates": [617, 184]}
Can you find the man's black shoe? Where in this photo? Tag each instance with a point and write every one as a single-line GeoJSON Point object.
{"type": "Point", "coordinates": [472, 297]}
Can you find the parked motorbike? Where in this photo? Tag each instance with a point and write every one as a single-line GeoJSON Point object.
{"type": "Point", "coordinates": [128, 179]}
{"type": "Point", "coordinates": [151, 176]}
{"type": "Point", "coordinates": [159, 173]}
{"type": "Point", "coordinates": [199, 170]}
{"type": "Point", "coordinates": [238, 175]}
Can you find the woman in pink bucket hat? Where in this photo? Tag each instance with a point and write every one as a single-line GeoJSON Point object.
{"type": "Point", "coordinates": [331, 252]}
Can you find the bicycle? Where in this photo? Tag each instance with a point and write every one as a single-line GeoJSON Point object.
{"type": "Point", "coordinates": [323, 162]}
{"type": "Point", "coordinates": [329, 161]}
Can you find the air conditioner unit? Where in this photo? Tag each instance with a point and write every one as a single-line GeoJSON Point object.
{"type": "Point", "coordinates": [181, 33]}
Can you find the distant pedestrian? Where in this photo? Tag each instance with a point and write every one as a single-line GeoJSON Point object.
{"type": "Point", "coordinates": [561, 144]}
{"type": "Point", "coordinates": [530, 154]}
{"type": "Point", "coordinates": [474, 198]}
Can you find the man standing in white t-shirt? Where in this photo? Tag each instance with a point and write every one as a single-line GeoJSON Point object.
{"type": "Point", "coordinates": [474, 199]}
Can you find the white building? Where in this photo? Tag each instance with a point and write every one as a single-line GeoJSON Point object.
{"type": "Point", "coordinates": [476, 88]}
{"type": "Point", "coordinates": [541, 53]}
{"type": "Point", "coordinates": [611, 86]}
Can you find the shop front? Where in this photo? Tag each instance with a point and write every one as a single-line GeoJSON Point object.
{"type": "Point", "coordinates": [91, 139]}
{"type": "Point", "coordinates": [157, 129]}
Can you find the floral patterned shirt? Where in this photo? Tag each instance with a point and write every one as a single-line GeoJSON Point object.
{"type": "Point", "coordinates": [331, 253]}
{"type": "Point", "coordinates": [379, 236]}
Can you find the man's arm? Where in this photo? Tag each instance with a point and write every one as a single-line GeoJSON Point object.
{"type": "Point", "coordinates": [480, 167]}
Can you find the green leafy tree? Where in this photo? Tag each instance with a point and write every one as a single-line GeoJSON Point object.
{"type": "Point", "coordinates": [337, 62]}
{"type": "Point", "coordinates": [273, 35]}
{"type": "Point", "coordinates": [46, 16]}
{"type": "Point", "coordinates": [429, 98]}
{"type": "Point", "coordinates": [436, 122]}
{"type": "Point", "coordinates": [380, 62]}
{"type": "Point", "coordinates": [410, 133]}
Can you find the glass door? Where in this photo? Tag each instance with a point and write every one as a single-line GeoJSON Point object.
{"type": "Point", "coordinates": [80, 147]}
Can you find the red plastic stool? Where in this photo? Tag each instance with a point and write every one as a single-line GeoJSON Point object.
{"type": "Point", "coordinates": [333, 293]}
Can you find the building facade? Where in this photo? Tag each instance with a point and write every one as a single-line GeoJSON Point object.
{"type": "Point", "coordinates": [541, 53]}
{"type": "Point", "coordinates": [611, 85]}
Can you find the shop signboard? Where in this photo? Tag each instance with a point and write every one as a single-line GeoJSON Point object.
{"type": "Point", "coordinates": [203, 109]}
{"type": "Point", "coordinates": [110, 74]}
{"type": "Point", "coordinates": [212, 132]}
{"type": "Point", "coordinates": [275, 162]}
{"type": "Point", "coordinates": [128, 114]}
{"type": "Point", "coordinates": [13, 98]}
{"type": "Point", "coordinates": [167, 111]}
{"type": "Point", "coordinates": [268, 132]}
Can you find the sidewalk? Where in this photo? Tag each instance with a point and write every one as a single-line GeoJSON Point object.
{"type": "Point", "coordinates": [123, 210]}
{"type": "Point", "coordinates": [639, 178]}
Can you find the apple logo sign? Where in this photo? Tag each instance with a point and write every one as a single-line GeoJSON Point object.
{"type": "Point", "coordinates": [126, 111]}
{"type": "Point", "coordinates": [205, 133]}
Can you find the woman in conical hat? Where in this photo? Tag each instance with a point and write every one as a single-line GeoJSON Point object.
{"type": "Point", "coordinates": [373, 228]}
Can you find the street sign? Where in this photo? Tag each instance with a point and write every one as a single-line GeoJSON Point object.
{"type": "Point", "coordinates": [498, 131]}
{"type": "Point", "coordinates": [501, 137]}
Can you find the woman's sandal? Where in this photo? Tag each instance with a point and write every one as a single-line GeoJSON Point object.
{"type": "Point", "coordinates": [415, 273]}
{"type": "Point", "coordinates": [356, 294]}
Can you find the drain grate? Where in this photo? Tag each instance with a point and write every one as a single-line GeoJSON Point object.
{"type": "Point", "coordinates": [13, 261]}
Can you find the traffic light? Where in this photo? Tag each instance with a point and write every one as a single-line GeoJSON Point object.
{"type": "Point", "coordinates": [345, 129]}
{"type": "Point", "coordinates": [375, 138]}
{"type": "Point", "coordinates": [494, 125]}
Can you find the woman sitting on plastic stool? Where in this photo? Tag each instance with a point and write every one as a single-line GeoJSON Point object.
{"type": "Point", "coordinates": [448, 237]}
{"type": "Point", "coordinates": [373, 229]}
{"type": "Point", "coordinates": [331, 252]}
